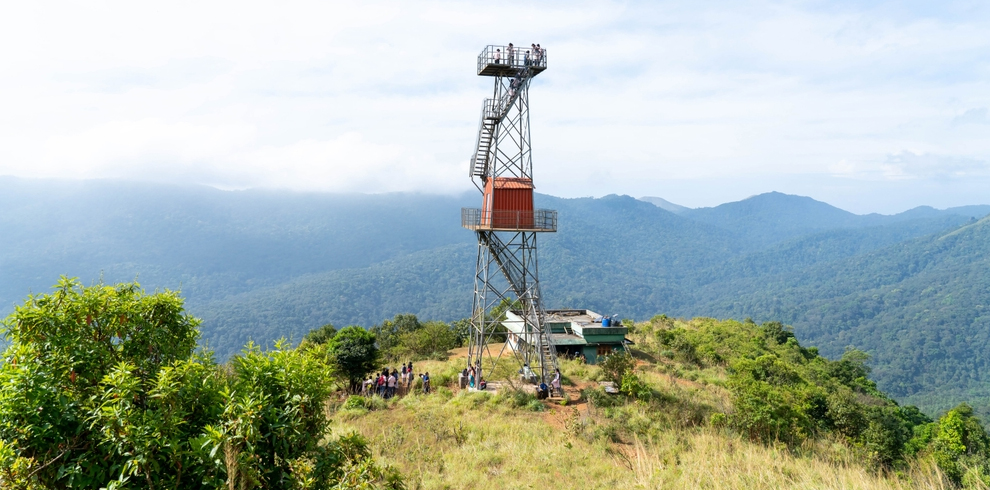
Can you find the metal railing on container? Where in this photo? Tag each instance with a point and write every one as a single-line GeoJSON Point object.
{"type": "Point", "coordinates": [536, 220]}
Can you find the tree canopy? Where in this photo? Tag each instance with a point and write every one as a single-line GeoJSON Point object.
{"type": "Point", "coordinates": [353, 353]}
{"type": "Point", "coordinates": [101, 388]}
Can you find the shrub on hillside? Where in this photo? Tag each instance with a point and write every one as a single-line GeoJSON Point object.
{"type": "Point", "coordinates": [959, 444]}
{"type": "Point", "coordinates": [406, 338]}
{"type": "Point", "coordinates": [634, 387]}
{"type": "Point", "coordinates": [783, 392]}
{"type": "Point", "coordinates": [598, 398]}
{"type": "Point", "coordinates": [615, 366]}
{"type": "Point", "coordinates": [100, 388]}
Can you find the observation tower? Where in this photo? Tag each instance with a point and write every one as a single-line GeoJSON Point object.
{"type": "Point", "coordinates": [507, 223]}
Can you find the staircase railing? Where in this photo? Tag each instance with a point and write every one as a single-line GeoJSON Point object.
{"type": "Point", "coordinates": [493, 111]}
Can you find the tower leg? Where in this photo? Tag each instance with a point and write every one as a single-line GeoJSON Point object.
{"type": "Point", "coordinates": [507, 271]}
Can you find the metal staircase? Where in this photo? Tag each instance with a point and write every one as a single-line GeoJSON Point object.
{"type": "Point", "coordinates": [493, 111]}
{"type": "Point", "coordinates": [483, 146]}
{"type": "Point", "coordinates": [528, 292]}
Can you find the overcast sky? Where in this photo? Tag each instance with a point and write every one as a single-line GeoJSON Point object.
{"type": "Point", "coordinates": [872, 107]}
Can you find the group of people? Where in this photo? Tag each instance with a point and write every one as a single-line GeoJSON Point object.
{"type": "Point", "coordinates": [390, 382]}
{"type": "Point", "coordinates": [533, 56]}
{"type": "Point", "coordinates": [472, 378]}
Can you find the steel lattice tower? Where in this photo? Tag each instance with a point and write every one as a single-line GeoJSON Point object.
{"type": "Point", "coordinates": [507, 224]}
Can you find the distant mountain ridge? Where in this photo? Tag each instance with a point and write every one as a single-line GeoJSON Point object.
{"type": "Point", "coordinates": [264, 264]}
{"type": "Point", "coordinates": [665, 204]}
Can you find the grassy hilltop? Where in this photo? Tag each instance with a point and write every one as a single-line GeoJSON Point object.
{"type": "Point", "coordinates": [708, 404]}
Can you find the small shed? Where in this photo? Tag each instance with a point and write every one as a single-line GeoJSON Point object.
{"type": "Point", "coordinates": [573, 332]}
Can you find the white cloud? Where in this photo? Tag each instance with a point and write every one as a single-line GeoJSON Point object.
{"type": "Point", "coordinates": [640, 98]}
{"type": "Point", "coordinates": [911, 165]}
{"type": "Point", "coordinates": [976, 115]}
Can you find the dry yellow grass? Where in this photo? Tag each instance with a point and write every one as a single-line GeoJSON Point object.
{"type": "Point", "coordinates": [467, 441]}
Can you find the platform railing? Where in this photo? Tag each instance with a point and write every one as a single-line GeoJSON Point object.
{"type": "Point", "coordinates": [521, 57]}
{"type": "Point", "coordinates": [491, 109]}
{"type": "Point", "coordinates": [536, 220]}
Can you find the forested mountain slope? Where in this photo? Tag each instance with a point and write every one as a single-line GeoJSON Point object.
{"type": "Point", "coordinates": [212, 243]}
{"type": "Point", "coordinates": [920, 307]}
{"type": "Point", "coordinates": [908, 288]}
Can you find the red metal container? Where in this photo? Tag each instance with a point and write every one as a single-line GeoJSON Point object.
{"type": "Point", "coordinates": [508, 203]}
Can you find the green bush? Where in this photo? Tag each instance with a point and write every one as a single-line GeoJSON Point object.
{"type": "Point", "coordinates": [535, 406]}
{"type": "Point", "coordinates": [100, 389]}
{"type": "Point", "coordinates": [598, 398]}
{"type": "Point", "coordinates": [959, 444]}
{"type": "Point", "coordinates": [355, 402]}
{"type": "Point", "coordinates": [406, 338]}
{"type": "Point", "coordinates": [633, 386]}
{"type": "Point", "coordinates": [442, 380]}
{"type": "Point", "coordinates": [614, 367]}
{"type": "Point", "coordinates": [515, 398]}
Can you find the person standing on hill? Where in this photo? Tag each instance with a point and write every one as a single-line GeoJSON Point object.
{"type": "Point", "coordinates": [426, 382]}
{"type": "Point", "coordinates": [393, 381]}
{"type": "Point", "coordinates": [555, 384]}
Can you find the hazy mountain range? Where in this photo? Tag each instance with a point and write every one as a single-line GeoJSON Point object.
{"type": "Point", "coordinates": [912, 289]}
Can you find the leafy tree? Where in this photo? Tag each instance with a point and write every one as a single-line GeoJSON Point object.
{"type": "Point", "coordinates": [103, 373]}
{"type": "Point", "coordinates": [405, 337]}
{"type": "Point", "coordinates": [274, 421]}
{"type": "Point", "coordinates": [431, 341]}
{"type": "Point", "coordinates": [462, 331]}
{"type": "Point", "coordinates": [388, 333]}
{"type": "Point", "coordinates": [777, 332]}
{"type": "Point", "coordinates": [959, 444]}
{"type": "Point", "coordinates": [100, 389]}
{"type": "Point", "coordinates": [353, 354]}
{"type": "Point", "coordinates": [321, 335]}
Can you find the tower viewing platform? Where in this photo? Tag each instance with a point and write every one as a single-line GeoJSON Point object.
{"type": "Point", "coordinates": [507, 205]}
{"type": "Point", "coordinates": [501, 61]}
{"type": "Point", "coordinates": [508, 220]}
